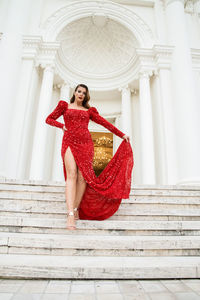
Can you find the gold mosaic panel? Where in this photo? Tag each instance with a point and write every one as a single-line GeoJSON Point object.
{"type": "Point", "coordinates": [103, 150]}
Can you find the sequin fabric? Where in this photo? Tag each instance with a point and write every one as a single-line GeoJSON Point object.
{"type": "Point", "coordinates": [103, 193]}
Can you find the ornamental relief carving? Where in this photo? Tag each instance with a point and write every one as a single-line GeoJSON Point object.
{"type": "Point", "coordinates": [96, 49]}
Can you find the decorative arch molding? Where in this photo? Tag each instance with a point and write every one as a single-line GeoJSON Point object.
{"type": "Point", "coordinates": [80, 9]}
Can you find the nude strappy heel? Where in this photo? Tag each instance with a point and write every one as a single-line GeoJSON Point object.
{"type": "Point", "coordinates": [76, 215]}
{"type": "Point", "coordinates": [71, 227]}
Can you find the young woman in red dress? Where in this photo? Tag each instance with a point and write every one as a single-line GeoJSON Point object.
{"type": "Point", "coordinates": [87, 196]}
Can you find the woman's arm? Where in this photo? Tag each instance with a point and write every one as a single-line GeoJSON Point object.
{"type": "Point", "coordinates": [57, 112]}
{"type": "Point", "coordinates": [95, 116]}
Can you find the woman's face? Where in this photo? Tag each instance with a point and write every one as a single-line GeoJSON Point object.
{"type": "Point", "coordinates": [80, 94]}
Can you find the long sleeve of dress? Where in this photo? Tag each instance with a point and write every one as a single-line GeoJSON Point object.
{"type": "Point", "coordinates": [57, 112]}
{"type": "Point", "coordinates": [94, 116]}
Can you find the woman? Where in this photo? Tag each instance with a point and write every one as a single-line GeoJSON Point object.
{"type": "Point", "coordinates": [87, 196]}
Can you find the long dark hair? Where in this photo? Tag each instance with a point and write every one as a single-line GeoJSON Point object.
{"type": "Point", "coordinates": [87, 96]}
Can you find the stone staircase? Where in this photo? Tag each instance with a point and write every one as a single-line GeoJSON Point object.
{"type": "Point", "coordinates": [154, 234]}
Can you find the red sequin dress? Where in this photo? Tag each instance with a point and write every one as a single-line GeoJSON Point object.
{"type": "Point", "coordinates": [103, 193]}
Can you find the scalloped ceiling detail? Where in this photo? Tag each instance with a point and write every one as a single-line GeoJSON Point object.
{"type": "Point", "coordinates": [93, 49]}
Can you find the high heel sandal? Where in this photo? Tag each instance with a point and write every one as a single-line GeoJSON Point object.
{"type": "Point", "coordinates": [76, 215]}
{"type": "Point", "coordinates": [71, 227]}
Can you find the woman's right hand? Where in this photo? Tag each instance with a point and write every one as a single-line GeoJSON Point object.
{"type": "Point", "coordinates": [127, 138]}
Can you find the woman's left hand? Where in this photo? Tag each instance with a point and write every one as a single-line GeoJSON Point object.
{"type": "Point", "coordinates": [126, 137]}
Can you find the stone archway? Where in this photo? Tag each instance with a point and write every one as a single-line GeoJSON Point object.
{"type": "Point", "coordinates": [110, 67]}
{"type": "Point", "coordinates": [80, 9]}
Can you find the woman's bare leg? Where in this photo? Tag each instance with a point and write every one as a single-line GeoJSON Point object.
{"type": "Point", "coordinates": [80, 189]}
{"type": "Point", "coordinates": [70, 189]}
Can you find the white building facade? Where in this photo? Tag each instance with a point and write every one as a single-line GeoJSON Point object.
{"type": "Point", "coordinates": [141, 62]}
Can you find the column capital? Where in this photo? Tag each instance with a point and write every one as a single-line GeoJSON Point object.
{"type": "Point", "coordinates": [167, 2]}
{"type": "Point", "coordinates": [64, 85]}
{"type": "Point", "coordinates": [56, 87]}
{"type": "Point", "coordinates": [124, 88]}
{"type": "Point", "coordinates": [45, 66]}
{"type": "Point", "coordinates": [48, 67]}
{"type": "Point", "coordinates": [134, 91]}
{"type": "Point", "coordinates": [145, 73]}
{"type": "Point", "coordinates": [156, 72]}
{"type": "Point", "coordinates": [190, 7]}
{"type": "Point", "coordinates": [65, 89]}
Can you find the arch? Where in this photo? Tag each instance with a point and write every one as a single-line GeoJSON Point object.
{"type": "Point", "coordinates": [79, 9]}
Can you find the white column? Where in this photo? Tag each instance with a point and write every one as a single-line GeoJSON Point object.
{"type": "Point", "coordinates": [146, 127]}
{"type": "Point", "coordinates": [116, 142]}
{"type": "Point", "coordinates": [168, 118]}
{"type": "Point", "coordinates": [65, 91]}
{"type": "Point", "coordinates": [57, 169]}
{"type": "Point", "coordinates": [185, 99]}
{"type": "Point", "coordinates": [126, 111]}
{"type": "Point", "coordinates": [17, 17]}
{"type": "Point", "coordinates": [19, 117]}
{"type": "Point", "coordinates": [40, 135]}
{"type": "Point", "coordinates": [28, 129]}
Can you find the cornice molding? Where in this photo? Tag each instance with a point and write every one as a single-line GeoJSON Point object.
{"type": "Point", "coordinates": [163, 56]}
{"type": "Point", "coordinates": [145, 60]}
{"type": "Point", "coordinates": [41, 52]}
{"type": "Point", "coordinates": [31, 46]}
{"type": "Point", "coordinates": [150, 61]}
{"type": "Point", "coordinates": [146, 3]}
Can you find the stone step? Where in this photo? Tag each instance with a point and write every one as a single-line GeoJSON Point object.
{"type": "Point", "coordinates": [116, 216]}
{"type": "Point", "coordinates": [154, 217]}
{"type": "Point", "coordinates": [154, 234]}
{"type": "Point", "coordinates": [143, 199]}
{"type": "Point", "coordinates": [59, 187]}
{"type": "Point", "coordinates": [108, 227]}
{"type": "Point", "coordinates": [13, 181]}
{"type": "Point", "coordinates": [46, 207]}
{"type": "Point", "coordinates": [52, 244]}
{"type": "Point", "coordinates": [134, 194]}
{"type": "Point", "coordinates": [142, 232]}
{"type": "Point", "coordinates": [82, 267]}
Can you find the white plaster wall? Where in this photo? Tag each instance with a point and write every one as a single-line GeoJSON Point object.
{"type": "Point", "coordinates": [4, 9]}
{"type": "Point", "coordinates": [147, 14]}
{"type": "Point", "coordinates": [35, 21]}
{"type": "Point", "coordinates": [50, 6]}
